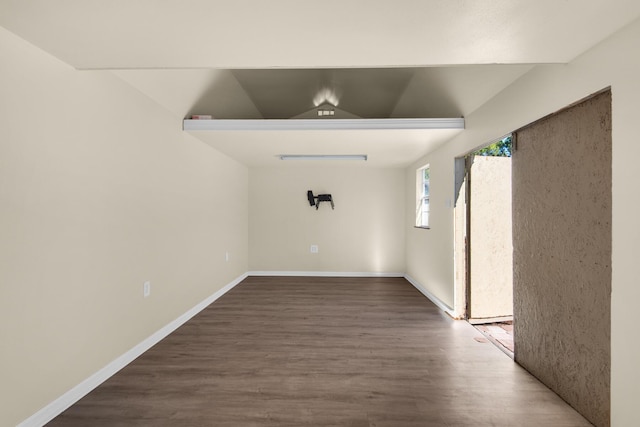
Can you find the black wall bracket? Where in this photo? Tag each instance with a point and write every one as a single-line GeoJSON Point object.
{"type": "Point", "coordinates": [315, 200]}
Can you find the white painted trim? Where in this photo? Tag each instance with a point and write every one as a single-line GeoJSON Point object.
{"type": "Point", "coordinates": [323, 274]}
{"type": "Point", "coordinates": [434, 299]}
{"type": "Point", "coordinates": [56, 407]}
{"type": "Point", "coordinates": [320, 124]}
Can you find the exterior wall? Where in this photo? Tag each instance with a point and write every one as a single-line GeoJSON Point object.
{"type": "Point", "coordinates": [491, 247]}
{"type": "Point", "coordinates": [100, 191]}
{"type": "Point", "coordinates": [363, 234]}
{"type": "Point", "coordinates": [460, 231]}
{"type": "Point", "coordinates": [562, 254]}
{"type": "Point", "coordinates": [545, 89]}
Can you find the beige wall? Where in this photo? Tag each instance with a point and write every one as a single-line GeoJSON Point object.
{"type": "Point", "coordinates": [546, 89]}
{"type": "Point", "coordinates": [363, 234]}
{"type": "Point", "coordinates": [100, 190]}
{"type": "Point", "coordinates": [429, 252]}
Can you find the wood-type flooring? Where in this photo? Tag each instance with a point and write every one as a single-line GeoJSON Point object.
{"type": "Point", "coordinates": [301, 351]}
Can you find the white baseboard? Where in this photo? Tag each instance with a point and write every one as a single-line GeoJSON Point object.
{"type": "Point", "coordinates": [434, 299]}
{"type": "Point", "coordinates": [323, 274]}
{"type": "Point", "coordinates": [59, 405]}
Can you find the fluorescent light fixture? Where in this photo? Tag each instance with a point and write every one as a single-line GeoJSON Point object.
{"type": "Point", "coordinates": [323, 157]}
{"type": "Point", "coordinates": [319, 124]}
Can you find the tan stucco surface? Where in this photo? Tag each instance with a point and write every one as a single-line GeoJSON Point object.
{"type": "Point", "coordinates": [562, 254]}
{"type": "Point", "coordinates": [491, 248]}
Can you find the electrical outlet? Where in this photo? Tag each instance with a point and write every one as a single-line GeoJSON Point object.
{"type": "Point", "coordinates": [146, 289]}
{"type": "Point", "coordinates": [314, 249]}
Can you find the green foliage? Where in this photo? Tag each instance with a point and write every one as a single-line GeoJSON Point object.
{"type": "Point", "coordinates": [500, 148]}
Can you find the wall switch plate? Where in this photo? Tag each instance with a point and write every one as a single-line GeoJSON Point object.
{"type": "Point", "coordinates": [226, 256]}
{"type": "Point", "coordinates": [314, 249]}
{"type": "Point", "coordinates": [146, 289]}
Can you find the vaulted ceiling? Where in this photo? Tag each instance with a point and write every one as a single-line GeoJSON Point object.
{"type": "Point", "coordinates": [251, 59]}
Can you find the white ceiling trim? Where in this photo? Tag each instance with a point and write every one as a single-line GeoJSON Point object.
{"type": "Point", "coordinates": [322, 124]}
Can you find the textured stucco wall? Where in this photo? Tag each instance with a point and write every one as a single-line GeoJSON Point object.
{"type": "Point", "coordinates": [562, 254]}
{"type": "Point", "coordinates": [491, 247]}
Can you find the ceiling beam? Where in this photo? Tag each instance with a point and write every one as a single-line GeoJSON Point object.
{"type": "Point", "coordinates": [321, 124]}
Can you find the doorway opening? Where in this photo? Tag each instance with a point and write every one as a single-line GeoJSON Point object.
{"type": "Point", "coordinates": [483, 241]}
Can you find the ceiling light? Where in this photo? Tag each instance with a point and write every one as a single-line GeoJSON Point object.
{"type": "Point", "coordinates": [326, 96]}
{"type": "Point", "coordinates": [323, 157]}
{"type": "Point", "coordinates": [322, 112]}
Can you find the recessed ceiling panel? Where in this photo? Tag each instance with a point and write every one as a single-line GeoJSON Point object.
{"type": "Point", "coordinates": [367, 93]}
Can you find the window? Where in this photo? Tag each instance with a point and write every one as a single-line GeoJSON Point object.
{"type": "Point", "coordinates": [422, 205]}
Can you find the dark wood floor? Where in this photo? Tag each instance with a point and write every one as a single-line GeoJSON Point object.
{"type": "Point", "coordinates": [322, 352]}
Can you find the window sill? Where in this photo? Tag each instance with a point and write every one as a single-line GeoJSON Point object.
{"type": "Point", "coordinates": [422, 227]}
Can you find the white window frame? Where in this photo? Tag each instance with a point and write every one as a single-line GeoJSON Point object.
{"type": "Point", "coordinates": [423, 190]}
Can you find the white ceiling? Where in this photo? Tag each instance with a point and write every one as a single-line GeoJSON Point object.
{"type": "Point", "coordinates": [301, 34]}
{"type": "Point", "coordinates": [233, 59]}
{"type": "Point", "coordinates": [384, 148]}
